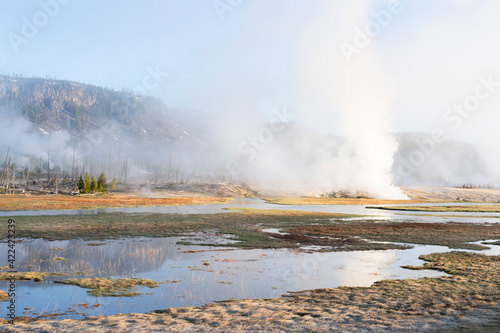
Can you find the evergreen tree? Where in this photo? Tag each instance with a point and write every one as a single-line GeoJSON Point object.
{"type": "Point", "coordinates": [102, 183]}
{"type": "Point", "coordinates": [93, 184]}
{"type": "Point", "coordinates": [87, 183]}
{"type": "Point", "coordinates": [81, 185]}
{"type": "Point", "coordinates": [114, 184]}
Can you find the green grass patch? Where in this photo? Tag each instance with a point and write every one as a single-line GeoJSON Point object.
{"type": "Point", "coordinates": [108, 287]}
{"type": "Point", "coordinates": [491, 243]}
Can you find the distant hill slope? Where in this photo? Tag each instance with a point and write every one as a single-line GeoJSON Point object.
{"type": "Point", "coordinates": [55, 105]}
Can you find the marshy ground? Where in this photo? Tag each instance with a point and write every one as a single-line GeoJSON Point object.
{"type": "Point", "coordinates": [311, 228]}
{"type": "Point", "coordinates": [467, 299]}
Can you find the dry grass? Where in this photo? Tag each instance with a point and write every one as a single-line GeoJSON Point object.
{"type": "Point", "coordinates": [464, 301]}
{"type": "Point", "coordinates": [4, 296]}
{"type": "Point", "coordinates": [338, 201]}
{"type": "Point", "coordinates": [33, 275]}
{"type": "Point", "coordinates": [105, 287]}
{"type": "Point", "coordinates": [446, 209]}
{"type": "Point", "coordinates": [62, 202]}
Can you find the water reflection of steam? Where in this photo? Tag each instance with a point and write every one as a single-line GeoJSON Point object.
{"type": "Point", "coordinates": [364, 267]}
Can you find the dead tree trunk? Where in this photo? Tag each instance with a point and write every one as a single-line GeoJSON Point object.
{"type": "Point", "coordinates": [4, 170]}
{"type": "Point", "coordinates": [39, 169]}
{"type": "Point", "coordinates": [14, 178]}
{"type": "Point", "coordinates": [48, 167]}
{"type": "Point", "coordinates": [169, 168]}
{"type": "Point", "coordinates": [7, 177]}
{"type": "Point", "coordinates": [26, 183]}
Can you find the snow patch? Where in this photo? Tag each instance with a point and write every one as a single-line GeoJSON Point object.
{"type": "Point", "coordinates": [43, 131]}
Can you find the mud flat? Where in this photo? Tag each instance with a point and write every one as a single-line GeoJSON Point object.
{"type": "Point", "coordinates": [466, 300]}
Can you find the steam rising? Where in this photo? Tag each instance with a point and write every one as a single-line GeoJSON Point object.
{"type": "Point", "coordinates": [362, 94]}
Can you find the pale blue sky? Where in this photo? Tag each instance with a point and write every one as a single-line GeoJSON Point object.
{"type": "Point", "coordinates": [255, 59]}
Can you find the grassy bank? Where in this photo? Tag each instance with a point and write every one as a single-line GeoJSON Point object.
{"type": "Point", "coordinates": [62, 202]}
{"type": "Point", "coordinates": [338, 201]}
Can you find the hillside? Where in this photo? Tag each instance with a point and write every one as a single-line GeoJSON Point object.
{"type": "Point", "coordinates": [56, 105]}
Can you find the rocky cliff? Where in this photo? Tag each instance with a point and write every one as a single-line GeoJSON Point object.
{"type": "Point", "coordinates": [55, 105]}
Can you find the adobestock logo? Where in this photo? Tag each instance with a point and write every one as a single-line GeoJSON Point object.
{"type": "Point", "coordinates": [251, 146]}
{"type": "Point", "coordinates": [223, 6]}
{"type": "Point", "coordinates": [454, 117]}
{"type": "Point", "coordinates": [363, 37]}
{"type": "Point", "coordinates": [31, 26]}
{"type": "Point", "coordinates": [151, 81]}
{"type": "Point", "coordinates": [470, 104]}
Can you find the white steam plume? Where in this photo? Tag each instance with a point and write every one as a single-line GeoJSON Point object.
{"type": "Point", "coordinates": [359, 91]}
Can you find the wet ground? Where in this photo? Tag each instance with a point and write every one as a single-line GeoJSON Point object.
{"type": "Point", "coordinates": [193, 275]}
